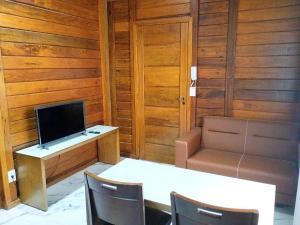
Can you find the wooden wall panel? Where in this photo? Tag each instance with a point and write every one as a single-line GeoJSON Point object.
{"type": "Point", "coordinates": [73, 67]}
{"type": "Point", "coordinates": [122, 14]}
{"type": "Point", "coordinates": [267, 60]}
{"type": "Point", "coordinates": [262, 81]}
{"type": "Point", "coordinates": [212, 53]}
{"type": "Point", "coordinates": [50, 53]}
{"type": "Point", "coordinates": [121, 73]}
{"type": "Point", "coordinates": [1, 191]}
{"type": "Point", "coordinates": [146, 9]}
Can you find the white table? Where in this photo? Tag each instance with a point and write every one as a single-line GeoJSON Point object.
{"type": "Point", "coordinates": [159, 180]}
{"type": "Point", "coordinates": [31, 161]}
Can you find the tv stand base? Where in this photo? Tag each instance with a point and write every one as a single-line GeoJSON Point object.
{"type": "Point", "coordinates": [31, 170]}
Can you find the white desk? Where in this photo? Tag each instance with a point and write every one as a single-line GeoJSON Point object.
{"type": "Point", "coordinates": [37, 152]}
{"type": "Point", "coordinates": [31, 162]}
{"type": "Point", "coordinates": [159, 180]}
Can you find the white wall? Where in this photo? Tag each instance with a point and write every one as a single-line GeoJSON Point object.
{"type": "Point", "coordinates": [297, 208]}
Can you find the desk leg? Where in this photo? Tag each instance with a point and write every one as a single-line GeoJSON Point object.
{"type": "Point", "coordinates": [32, 181]}
{"type": "Point", "coordinates": [109, 148]}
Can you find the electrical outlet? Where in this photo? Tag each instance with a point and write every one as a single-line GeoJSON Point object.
{"type": "Point", "coordinates": [12, 176]}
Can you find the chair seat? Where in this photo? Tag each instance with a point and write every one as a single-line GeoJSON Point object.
{"type": "Point", "coordinates": [156, 217]}
{"type": "Point", "coordinates": [215, 161]}
{"type": "Point", "coordinates": [281, 173]}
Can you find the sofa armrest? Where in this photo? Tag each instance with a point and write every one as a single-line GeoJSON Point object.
{"type": "Point", "coordinates": [187, 145]}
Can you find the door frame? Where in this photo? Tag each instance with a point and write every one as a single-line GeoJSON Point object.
{"type": "Point", "coordinates": [138, 81]}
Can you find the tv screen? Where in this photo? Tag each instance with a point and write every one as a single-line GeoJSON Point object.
{"type": "Point", "coordinates": [55, 122]}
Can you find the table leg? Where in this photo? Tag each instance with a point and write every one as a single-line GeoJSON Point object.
{"type": "Point", "coordinates": [32, 181]}
{"type": "Point", "coordinates": [109, 148]}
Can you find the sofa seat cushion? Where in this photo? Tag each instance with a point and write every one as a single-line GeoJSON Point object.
{"type": "Point", "coordinates": [215, 161]}
{"type": "Point", "coordinates": [281, 173]}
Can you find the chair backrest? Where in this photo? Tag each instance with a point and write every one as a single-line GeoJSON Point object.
{"type": "Point", "coordinates": [111, 202]}
{"type": "Point", "coordinates": [189, 212]}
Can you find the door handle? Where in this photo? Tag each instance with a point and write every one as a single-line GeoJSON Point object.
{"type": "Point", "coordinates": [182, 100]}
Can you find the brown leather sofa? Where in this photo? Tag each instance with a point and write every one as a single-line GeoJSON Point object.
{"type": "Point", "coordinates": [255, 150]}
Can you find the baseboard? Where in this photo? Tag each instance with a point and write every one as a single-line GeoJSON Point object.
{"type": "Point", "coordinates": [128, 155]}
{"type": "Point", "coordinates": [12, 204]}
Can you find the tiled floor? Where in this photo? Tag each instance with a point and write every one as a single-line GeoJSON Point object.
{"type": "Point", "coordinates": [67, 205]}
{"type": "Point", "coordinates": [284, 216]}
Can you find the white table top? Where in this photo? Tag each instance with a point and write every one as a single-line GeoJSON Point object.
{"type": "Point", "coordinates": [159, 180]}
{"type": "Point", "coordinates": [36, 151]}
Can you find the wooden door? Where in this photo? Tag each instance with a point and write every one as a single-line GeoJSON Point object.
{"type": "Point", "coordinates": [162, 62]}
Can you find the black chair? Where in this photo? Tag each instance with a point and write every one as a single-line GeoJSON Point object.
{"type": "Point", "coordinates": [116, 203]}
{"type": "Point", "coordinates": [189, 212]}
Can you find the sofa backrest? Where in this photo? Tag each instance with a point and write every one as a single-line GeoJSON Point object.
{"type": "Point", "coordinates": [271, 139]}
{"type": "Point", "coordinates": [261, 138]}
{"type": "Point", "coordinates": [225, 134]}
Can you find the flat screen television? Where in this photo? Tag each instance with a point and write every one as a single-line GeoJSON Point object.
{"type": "Point", "coordinates": [60, 121]}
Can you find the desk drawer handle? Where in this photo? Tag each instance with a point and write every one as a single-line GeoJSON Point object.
{"type": "Point", "coordinates": [209, 213]}
{"type": "Point", "coordinates": [109, 187]}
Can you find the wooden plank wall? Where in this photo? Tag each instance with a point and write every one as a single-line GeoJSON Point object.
{"type": "Point", "coordinates": [256, 78]}
{"type": "Point", "coordinates": [267, 77]}
{"type": "Point", "coordinates": [212, 52]}
{"type": "Point", "coordinates": [121, 73]}
{"type": "Point", "coordinates": [1, 190]}
{"type": "Point", "coordinates": [266, 60]}
{"type": "Point", "coordinates": [122, 12]}
{"type": "Point", "coordinates": [50, 53]}
{"type": "Point", "coordinates": [149, 9]}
